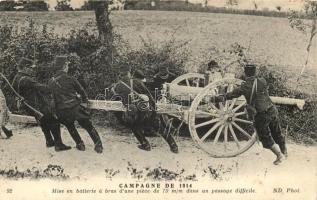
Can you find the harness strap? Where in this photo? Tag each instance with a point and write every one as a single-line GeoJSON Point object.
{"type": "Point", "coordinates": [254, 89]}
{"type": "Point", "coordinates": [131, 89]}
{"type": "Point", "coordinates": [55, 80]}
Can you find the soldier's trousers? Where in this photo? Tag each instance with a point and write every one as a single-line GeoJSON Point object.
{"type": "Point", "coordinates": [78, 113]}
{"type": "Point", "coordinates": [138, 121]}
{"type": "Point", "coordinates": [87, 125]}
{"type": "Point", "coordinates": [51, 129]}
{"type": "Point", "coordinates": [268, 128]}
{"type": "Point", "coordinates": [138, 131]}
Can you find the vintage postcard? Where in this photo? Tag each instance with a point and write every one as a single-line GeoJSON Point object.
{"type": "Point", "coordinates": [158, 99]}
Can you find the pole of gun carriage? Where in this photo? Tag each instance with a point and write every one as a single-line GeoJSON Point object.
{"type": "Point", "coordinates": [38, 114]}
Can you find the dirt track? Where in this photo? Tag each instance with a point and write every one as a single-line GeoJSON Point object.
{"type": "Point", "coordinates": [122, 158]}
{"type": "Point", "coordinates": [123, 163]}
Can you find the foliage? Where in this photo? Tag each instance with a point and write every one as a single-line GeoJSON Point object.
{"type": "Point", "coordinates": [23, 6]}
{"type": "Point", "coordinates": [63, 5]}
{"type": "Point", "coordinates": [184, 6]}
{"type": "Point", "coordinates": [35, 6]}
{"type": "Point", "coordinates": [97, 64]}
{"type": "Point", "coordinates": [55, 172]}
{"type": "Point", "coordinates": [86, 6]}
{"type": "Point", "coordinates": [300, 125]}
{"type": "Point", "coordinates": [7, 5]}
{"type": "Point", "coordinates": [160, 63]}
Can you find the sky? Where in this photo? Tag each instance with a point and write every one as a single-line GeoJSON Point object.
{"type": "Point", "coordinates": [243, 4]}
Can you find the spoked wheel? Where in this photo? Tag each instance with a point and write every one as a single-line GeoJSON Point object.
{"type": "Point", "coordinates": [221, 129]}
{"type": "Point", "coordinates": [191, 80]}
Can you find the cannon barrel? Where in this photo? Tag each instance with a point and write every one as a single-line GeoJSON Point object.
{"type": "Point", "coordinates": [288, 101]}
{"type": "Point", "coordinates": [188, 93]}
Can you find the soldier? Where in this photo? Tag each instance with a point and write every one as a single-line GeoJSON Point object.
{"type": "Point", "coordinates": [69, 97]}
{"type": "Point", "coordinates": [4, 115]}
{"type": "Point", "coordinates": [213, 72]}
{"type": "Point", "coordinates": [265, 113]}
{"type": "Point", "coordinates": [37, 95]}
{"type": "Point", "coordinates": [140, 109]}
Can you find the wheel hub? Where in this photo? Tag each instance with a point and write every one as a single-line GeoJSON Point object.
{"type": "Point", "coordinates": [227, 116]}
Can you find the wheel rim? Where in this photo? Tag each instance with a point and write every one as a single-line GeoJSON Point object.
{"type": "Point", "coordinates": [189, 79]}
{"type": "Point", "coordinates": [221, 129]}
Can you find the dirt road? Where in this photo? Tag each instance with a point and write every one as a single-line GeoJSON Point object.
{"type": "Point", "coordinates": [122, 158]}
{"type": "Point", "coordinates": [25, 155]}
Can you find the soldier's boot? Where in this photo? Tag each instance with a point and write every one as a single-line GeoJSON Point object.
{"type": "Point", "coordinates": [48, 137]}
{"type": "Point", "coordinates": [96, 139]}
{"type": "Point", "coordinates": [279, 155]}
{"type": "Point", "coordinates": [144, 143]}
{"type": "Point", "coordinates": [171, 143]}
{"type": "Point", "coordinates": [76, 137]}
{"type": "Point", "coordinates": [81, 146]}
{"type": "Point", "coordinates": [7, 132]}
{"type": "Point", "coordinates": [59, 145]}
{"type": "Point", "coordinates": [283, 149]}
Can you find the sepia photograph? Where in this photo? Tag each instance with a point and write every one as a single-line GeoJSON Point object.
{"type": "Point", "coordinates": [158, 99]}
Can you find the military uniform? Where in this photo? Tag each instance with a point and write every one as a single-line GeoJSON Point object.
{"type": "Point", "coordinates": [37, 95]}
{"type": "Point", "coordinates": [4, 115]}
{"type": "Point", "coordinates": [66, 91]}
{"type": "Point", "coordinates": [140, 113]}
{"type": "Point", "coordinates": [266, 119]}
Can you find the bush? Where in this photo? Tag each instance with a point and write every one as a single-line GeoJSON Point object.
{"type": "Point", "coordinates": [7, 5]}
{"type": "Point", "coordinates": [23, 6]}
{"type": "Point", "coordinates": [35, 6]}
{"type": "Point", "coordinates": [166, 60]}
{"type": "Point", "coordinates": [97, 65]}
{"type": "Point", "coordinates": [187, 6]}
{"type": "Point", "coordinates": [300, 125]}
{"type": "Point", "coordinates": [63, 5]}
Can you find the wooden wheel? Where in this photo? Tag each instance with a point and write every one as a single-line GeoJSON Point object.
{"type": "Point", "coordinates": [191, 80]}
{"type": "Point", "coordinates": [221, 129]}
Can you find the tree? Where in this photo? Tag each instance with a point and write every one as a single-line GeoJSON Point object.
{"type": "Point", "coordinates": [279, 8]}
{"type": "Point", "coordinates": [255, 5]}
{"type": "Point", "coordinates": [63, 5]}
{"type": "Point", "coordinates": [86, 6]}
{"type": "Point", "coordinates": [35, 6]}
{"type": "Point", "coordinates": [305, 26]}
{"type": "Point", "coordinates": [102, 19]}
{"type": "Point", "coordinates": [7, 5]}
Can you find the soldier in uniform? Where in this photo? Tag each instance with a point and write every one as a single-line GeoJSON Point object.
{"type": "Point", "coordinates": [4, 115]}
{"type": "Point", "coordinates": [212, 72]}
{"type": "Point", "coordinates": [37, 95]}
{"type": "Point", "coordinates": [69, 98]}
{"type": "Point", "coordinates": [140, 109]}
{"type": "Point", "coordinates": [265, 113]}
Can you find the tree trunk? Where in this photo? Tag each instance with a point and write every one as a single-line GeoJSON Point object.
{"type": "Point", "coordinates": [102, 19]}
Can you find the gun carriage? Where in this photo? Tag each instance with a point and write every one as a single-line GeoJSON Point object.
{"type": "Point", "coordinates": [222, 129]}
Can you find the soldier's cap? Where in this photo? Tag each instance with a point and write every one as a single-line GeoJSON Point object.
{"type": "Point", "coordinates": [25, 63]}
{"type": "Point", "coordinates": [250, 66]}
{"type": "Point", "coordinates": [249, 69]}
{"type": "Point", "coordinates": [139, 74]}
{"type": "Point", "coordinates": [212, 64]}
{"type": "Point", "coordinates": [59, 62]}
